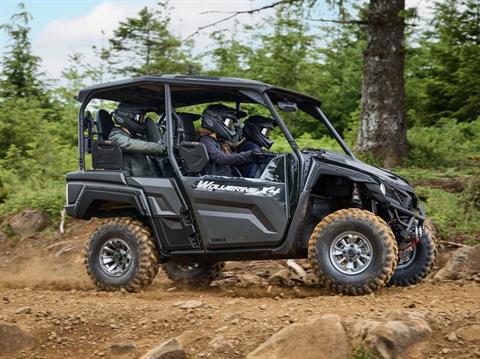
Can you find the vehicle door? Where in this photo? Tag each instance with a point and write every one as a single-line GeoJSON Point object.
{"type": "Point", "coordinates": [242, 212]}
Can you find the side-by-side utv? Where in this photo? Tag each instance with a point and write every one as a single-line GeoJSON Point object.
{"type": "Point", "coordinates": [361, 227]}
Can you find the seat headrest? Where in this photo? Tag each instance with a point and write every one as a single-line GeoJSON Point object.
{"type": "Point", "coordinates": [104, 124]}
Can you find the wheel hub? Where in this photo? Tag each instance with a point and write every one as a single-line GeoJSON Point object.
{"type": "Point", "coordinates": [351, 253]}
{"type": "Point", "coordinates": [407, 256]}
{"type": "Point", "coordinates": [115, 257]}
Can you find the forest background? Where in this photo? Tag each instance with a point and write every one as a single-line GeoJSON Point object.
{"type": "Point", "coordinates": [38, 115]}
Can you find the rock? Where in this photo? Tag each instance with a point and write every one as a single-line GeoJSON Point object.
{"type": "Point", "coordinates": [13, 338]}
{"type": "Point", "coordinates": [29, 222]}
{"type": "Point", "coordinates": [452, 337]}
{"type": "Point", "coordinates": [23, 310]}
{"type": "Point", "coordinates": [121, 348]}
{"type": "Point", "coordinates": [170, 349]}
{"type": "Point", "coordinates": [283, 277]}
{"type": "Point", "coordinates": [470, 333]}
{"type": "Point", "coordinates": [323, 337]}
{"type": "Point", "coordinates": [189, 304]}
{"type": "Point", "coordinates": [393, 337]}
{"type": "Point", "coordinates": [312, 279]}
{"type": "Point", "coordinates": [297, 269]}
{"type": "Point", "coordinates": [463, 264]}
{"type": "Point", "coordinates": [219, 344]}
{"type": "Point", "coordinates": [188, 337]}
{"type": "Point", "coordinates": [249, 280]}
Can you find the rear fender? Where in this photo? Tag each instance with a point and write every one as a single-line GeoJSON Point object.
{"type": "Point", "coordinates": [89, 197]}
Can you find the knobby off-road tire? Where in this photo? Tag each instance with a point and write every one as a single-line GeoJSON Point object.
{"type": "Point", "coordinates": [192, 274]}
{"type": "Point", "coordinates": [123, 238]}
{"type": "Point", "coordinates": [345, 235]}
{"type": "Point", "coordinates": [429, 228]}
{"type": "Point", "coordinates": [421, 261]}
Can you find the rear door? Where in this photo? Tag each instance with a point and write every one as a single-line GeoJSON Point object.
{"type": "Point", "coordinates": [241, 212]}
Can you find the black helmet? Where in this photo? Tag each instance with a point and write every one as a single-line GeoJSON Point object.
{"type": "Point", "coordinates": [223, 120]}
{"type": "Point", "coordinates": [256, 129]}
{"type": "Point", "coordinates": [131, 117]}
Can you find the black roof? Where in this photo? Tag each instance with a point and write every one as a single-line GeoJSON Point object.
{"type": "Point", "coordinates": [187, 90]}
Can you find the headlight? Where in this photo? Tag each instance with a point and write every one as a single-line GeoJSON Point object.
{"type": "Point", "coordinates": [382, 188]}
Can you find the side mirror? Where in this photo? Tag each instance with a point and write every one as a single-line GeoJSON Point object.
{"type": "Point", "coordinates": [194, 155]}
{"type": "Point", "coordinates": [286, 106]}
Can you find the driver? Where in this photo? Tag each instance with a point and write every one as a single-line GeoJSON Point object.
{"type": "Point", "coordinates": [256, 130]}
{"type": "Point", "coordinates": [137, 137]}
{"type": "Point", "coordinates": [219, 127]}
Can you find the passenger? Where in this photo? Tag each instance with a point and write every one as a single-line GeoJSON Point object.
{"type": "Point", "coordinates": [137, 138]}
{"type": "Point", "coordinates": [218, 128]}
{"type": "Point", "coordinates": [256, 130]}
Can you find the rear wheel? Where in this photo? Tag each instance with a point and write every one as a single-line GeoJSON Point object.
{"type": "Point", "coordinates": [190, 273]}
{"type": "Point", "coordinates": [353, 252]}
{"type": "Point", "coordinates": [121, 255]}
{"type": "Point", "coordinates": [416, 262]}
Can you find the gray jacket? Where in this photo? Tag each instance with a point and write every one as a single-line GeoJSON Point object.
{"type": "Point", "coordinates": [134, 151]}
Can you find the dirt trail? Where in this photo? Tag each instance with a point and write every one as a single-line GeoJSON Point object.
{"type": "Point", "coordinates": [69, 318]}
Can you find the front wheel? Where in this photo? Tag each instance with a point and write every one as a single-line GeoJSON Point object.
{"type": "Point", "coordinates": [416, 262]}
{"type": "Point", "coordinates": [353, 252]}
{"type": "Point", "coordinates": [190, 273]}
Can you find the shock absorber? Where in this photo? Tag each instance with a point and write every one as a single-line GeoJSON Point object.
{"type": "Point", "coordinates": [356, 200]}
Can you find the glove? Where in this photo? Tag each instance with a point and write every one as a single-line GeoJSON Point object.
{"type": "Point", "coordinates": [258, 155]}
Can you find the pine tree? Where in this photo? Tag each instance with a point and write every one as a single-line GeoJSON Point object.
{"type": "Point", "coordinates": [228, 55]}
{"type": "Point", "coordinates": [20, 75]}
{"type": "Point", "coordinates": [144, 45]}
{"type": "Point", "coordinates": [444, 68]}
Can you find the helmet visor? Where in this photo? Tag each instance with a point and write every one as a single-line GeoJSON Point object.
{"type": "Point", "coordinates": [266, 132]}
{"type": "Point", "coordinates": [140, 118]}
{"type": "Point", "coordinates": [229, 123]}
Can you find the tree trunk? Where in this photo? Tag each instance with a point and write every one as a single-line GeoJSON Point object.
{"type": "Point", "coordinates": [383, 131]}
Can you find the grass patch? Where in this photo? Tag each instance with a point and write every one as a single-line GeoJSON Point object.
{"type": "Point", "coordinates": [362, 353]}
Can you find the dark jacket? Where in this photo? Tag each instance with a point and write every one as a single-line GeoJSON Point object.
{"type": "Point", "coordinates": [220, 162]}
{"type": "Point", "coordinates": [250, 169]}
{"type": "Point", "coordinates": [134, 151]}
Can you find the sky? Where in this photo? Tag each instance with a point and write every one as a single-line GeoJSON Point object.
{"type": "Point", "coordinates": [63, 27]}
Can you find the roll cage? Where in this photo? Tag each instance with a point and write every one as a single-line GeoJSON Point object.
{"type": "Point", "coordinates": [156, 92]}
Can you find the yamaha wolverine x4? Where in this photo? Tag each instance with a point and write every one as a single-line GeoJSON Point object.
{"type": "Point", "coordinates": [361, 227]}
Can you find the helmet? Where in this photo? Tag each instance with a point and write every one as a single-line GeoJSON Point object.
{"type": "Point", "coordinates": [257, 129]}
{"type": "Point", "coordinates": [131, 117]}
{"type": "Point", "coordinates": [223, 120]}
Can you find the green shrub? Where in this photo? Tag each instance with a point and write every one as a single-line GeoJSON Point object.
{"type": "Point", "coordinates": [472, 192]}
{"type": "Point", "coordinates": [452, 213]}
{"type": "Point", "coordinates": [447, 144]}
{"type": "Point", "coordinates": [34, 158]}
{"type": "Point", "coordinates": [305, 141]}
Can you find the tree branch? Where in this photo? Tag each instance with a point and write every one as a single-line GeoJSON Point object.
{"type": "Point", "coordinates": [233, 14]}
{"type": "Point", "coordinates": [356, 22]}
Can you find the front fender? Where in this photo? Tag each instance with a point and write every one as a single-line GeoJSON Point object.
{"type": "Point", "coordinates": [321, 168]}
